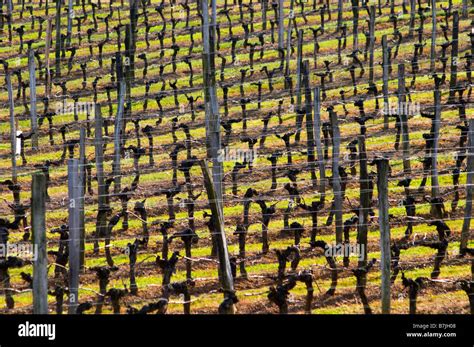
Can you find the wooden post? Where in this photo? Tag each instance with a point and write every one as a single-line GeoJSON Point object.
{"type": "Point", "coordinates": [319, 146]}
{"type": "Point", "coordinates": [74, 233]}
{"type": "Point", "coordinates": [433, 36]}
{"type": "Point", "coordinates": [133, 37]}
{"type": "Point", "coordinates": [47, 87]}
{"type": "Point", "coordinates": [434, 153]}
{"type": "Point", "coordinates": [9, 6]}
{"type": "Point", "coordinates": [70, 16]}
{"type": "Point", "coordinates": [299, 111]}
{"type": "Point", "coordinates": [385, 62]}
{"type": "Point", "coordinates": [309, 122]}
{"type": "Point", "coordinates": [362, 225]}
{"type": "Point", "coordinates": [339, 15]}
{"type": "Point", "coordinates": [454, 58]}
{"type": "Point", "coordinates": [403, 119]}
{"type": "Point", "coordinates": [288, 42]}
{"type": "Point", "coordinates": [33, 116]}
{"type": "Point", "coordinates": [382, 189]}
{"type": "Point", "coordinates": [264, 8]}
{"type": "Point", "coordinates": [371, 44]}
{"type": "Point", "coordinates": [213, 139]}
{"type": "Point", "coordinates": [355, 25]}
{"type": "Point", "coordinates": [101, 225]}
{"type": "Point", "coordinates": [58, 40]}
{"type": "Point", "coordinates": [465, 232]}
{"type": "Point", "coordinates": [82, 192]}
{"type": "Point", "coordinates": [12, 127]}
{"type": "Point", "coordinates": [464, 9]}
{"type": "Point", "coordinates": [364, 200]}
{"type": "Point", "coordinates": [9, 19]}
{"type": "Point", "coordinates": [117, 136]}
{"type": "Point", "coordinates": [280, 24]}
{"type": "Point", "coordinates": [299, 58]}
{"type": "Point", "coordinates": [411, 24]}
{"type": "Point", "coordinates": [225, 274]}
{"type": "Point", "coordinates": [336, 180]}
{"type": "Point", "coordinates": [128, 70]}
{"type": "Point", "coordinates": [123, 74]}
{"type": "Point", "coordinates": [213, 23]}
{"type": "Point", "coordinates": [38, 225]}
